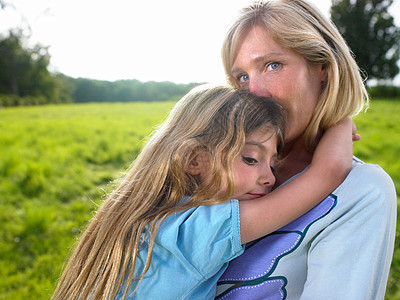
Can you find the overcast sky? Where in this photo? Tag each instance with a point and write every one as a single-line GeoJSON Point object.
{"type": "Point", "coordinates": [160, 40]}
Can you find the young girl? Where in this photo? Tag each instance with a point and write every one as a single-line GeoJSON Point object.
{"type": "Point", "coordinates": [169, 230]}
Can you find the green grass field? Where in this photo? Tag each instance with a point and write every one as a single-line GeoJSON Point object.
{"type": "Point", "coordinates": [57, 162]}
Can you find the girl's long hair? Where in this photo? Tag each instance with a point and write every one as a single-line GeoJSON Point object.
{"type": "Point", "coordinates": [212, 120]}
{"type": "Point", "coordinates": [300, 26]}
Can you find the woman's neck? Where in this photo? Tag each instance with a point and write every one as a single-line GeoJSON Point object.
{"type": "Point", "coordinates": [295, 158]}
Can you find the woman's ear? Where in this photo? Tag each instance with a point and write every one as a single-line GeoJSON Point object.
{"type": "Point", "coordinates": [197, 165]}
{"type": "Point", "coordinates": [323, 73]}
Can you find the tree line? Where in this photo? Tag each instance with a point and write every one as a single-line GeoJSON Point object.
{"type": "Point", "coordinates": [26, 80]}
{"type": "Point", "coordinates": [89, 90]}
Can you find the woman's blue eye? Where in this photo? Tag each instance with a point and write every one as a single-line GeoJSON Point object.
{"type": "Point", "coordinates": [249, 160]}
{"type": "Point", "coordinates": [243, 78]}
{"type": "Point", "coordinates": [273, 66]}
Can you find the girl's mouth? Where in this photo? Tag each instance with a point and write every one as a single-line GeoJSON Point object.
{"type": "Point", "coordinates": [256, 195]}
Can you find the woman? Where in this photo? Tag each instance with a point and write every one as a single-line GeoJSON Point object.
{"type": "Point", "coordinates": [342, 249]}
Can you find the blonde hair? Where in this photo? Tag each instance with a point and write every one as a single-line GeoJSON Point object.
{"type": "Point", "coordinates": [298, 25]}
{"type": "Point", "coordinates": [213, 120]}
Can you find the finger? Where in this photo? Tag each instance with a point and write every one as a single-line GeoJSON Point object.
{"type": "Point", "coordinates": [354, 128]}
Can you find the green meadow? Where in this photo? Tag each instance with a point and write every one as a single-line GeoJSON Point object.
{"type": "Point", "coordinates": [58, 162]}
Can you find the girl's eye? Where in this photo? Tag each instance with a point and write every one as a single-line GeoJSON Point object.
{"type": "Point", "coordinates": [273, 66]}
{"type": "Point", "coordinates": [273, 170]}
{"type": "Point", "coordinates": [249, 160]}
{"type": "Point", "coordinates": [243, 78]}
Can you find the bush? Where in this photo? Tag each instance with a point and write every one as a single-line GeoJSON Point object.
{"type": "Point", "coordinates": [384, 91]}
{"type": "Point", "coordinates": [7, 100]}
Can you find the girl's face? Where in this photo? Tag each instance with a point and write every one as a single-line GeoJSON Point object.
{"type": "Point", "coordinates": [270, 70]}
{"type": "Point", "coordinates": [253, 167]}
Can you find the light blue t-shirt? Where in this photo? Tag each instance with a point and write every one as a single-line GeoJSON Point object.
{"type": "Point", "coordinates": [191, 251]}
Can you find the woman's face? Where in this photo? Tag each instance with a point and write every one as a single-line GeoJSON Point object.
{"type": "Point", "coordinates": [270, 70]}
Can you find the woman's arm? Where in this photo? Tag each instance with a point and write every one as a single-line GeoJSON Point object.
{"type": "Point", "coordinates": [329, 167]}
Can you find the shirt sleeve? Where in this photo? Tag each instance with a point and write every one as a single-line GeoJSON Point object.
{"type": "Point", "coordinates": [351, 257]}
{"type": "Point", "coordinates": [205, 237]}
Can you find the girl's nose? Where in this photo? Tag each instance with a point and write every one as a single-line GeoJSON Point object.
{"type": "Point", "coordinates": [267, 178]}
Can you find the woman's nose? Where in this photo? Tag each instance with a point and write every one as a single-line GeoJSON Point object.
{"type": "Point", "coordinates": [258, 87]}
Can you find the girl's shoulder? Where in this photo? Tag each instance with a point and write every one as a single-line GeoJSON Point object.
{"type": "Point", "coordinates": [192, 245]}
{"type": "Point", "coordinates": [196, 225]}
